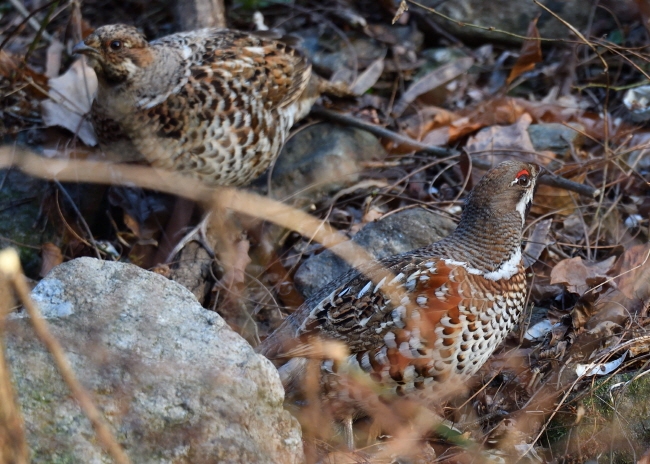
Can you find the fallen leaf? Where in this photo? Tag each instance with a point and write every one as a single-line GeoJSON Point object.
{"type": "Point", "coordinates": [368, 78]}
{"type": "Point", "coordinates": [530, 55]}
{"type": "Point", "coordinates": [554, 200]}
{"type": "Point", "coordinates": [51, 257]}
{"type": "Point", "coordinates": [591, 369]}
{"type": "Point", "coordinates": [11, 67]}
{"type": "Point", "coordinates": [574, 273]}
{"type": "Point", "coordinates": [235, 264]}
{"type": "Point", "coordinates": [429, 124]}
{"type": "Point", "coordinates": [433, 80]}
{"type": "Point", "coordinates": [71, 96]}
{"type": "Point", "coordinates": [539, 330]}
{"type": "Point", "coordinates": [537, 242]}
{"type": "Point", "coordinates": [53, 59]}
{"type": "Point", "coordinates": [403, 8]}
{"type": "Point", "coordinates": [497, 143]}
{"type": "Point", "coordinates": [634, 273]}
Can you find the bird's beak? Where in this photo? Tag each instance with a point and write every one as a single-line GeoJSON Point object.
{"type": "Point", "coordinates": [543, 172]}
{"type": "Point", "coordinates": [82, 49]}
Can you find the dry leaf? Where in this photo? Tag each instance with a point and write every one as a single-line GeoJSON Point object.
{"type": "Point", "coordinates": [51, 257]}
{"type": "Point", "coordinates": [12, 67]}
{"type": "Point", "coordinates": [500, 141]}
{"type": "Point", "coordinates": [429, 124]}
{"type": "Point", "coordinates": [575, 273]}
{"type": "Point", "coordinates": [555, 200]}
{"type": "Point", "coordinates": [634, 273]}
{"type": "Point", "coordinates": [53, 59]}
{"type": "Point", "coordinates": [530, 55]}
{"type": "Point", "coordinates": [537, 242]}
{"type": "Point", "coordinates": [71, 96]}
{"type": "Point", "coordinates": [403, 8]}
{"type": "Point", "coordinates": [433, 80]}
{"type": "Point", "coordinates": [235, 264]}
{"type": "Point", "coordinates": [368, 78]}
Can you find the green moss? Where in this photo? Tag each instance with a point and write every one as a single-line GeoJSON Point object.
{"type": "Point", "coordinates": [615, 424]}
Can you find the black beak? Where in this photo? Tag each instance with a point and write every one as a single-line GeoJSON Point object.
{"type": "Point", "coordinates": [543, 171]}
{"type": "Point", "coordinates": [82, 49]}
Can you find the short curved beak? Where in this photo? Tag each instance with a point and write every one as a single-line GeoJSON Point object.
{"type": "Point", "coordinates": [544, 172]}
{"type": "Point", "coordinates": [82, 49]}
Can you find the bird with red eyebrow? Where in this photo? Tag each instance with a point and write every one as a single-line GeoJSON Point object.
{"type": "Point", "coordinates": [418, 322]}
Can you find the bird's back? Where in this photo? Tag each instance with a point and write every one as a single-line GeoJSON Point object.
{"type": "Point", "coordinates": [214, 104]}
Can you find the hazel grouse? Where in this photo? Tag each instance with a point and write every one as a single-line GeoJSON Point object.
{"type": "Point", "coordinates": [458, 299]}
{"type": "Point", "coordinates": [213, 104]}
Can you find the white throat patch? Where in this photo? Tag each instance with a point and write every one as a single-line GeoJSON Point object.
{"type": "Point", "coordinates": [507, 269]}
{"type": "Point", "coordinates": [521, 206]}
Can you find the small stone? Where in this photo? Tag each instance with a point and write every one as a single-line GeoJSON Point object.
{"type": "Point", "coordinates": [321, 159]}
{"type": "Point", "coordinates": [558, 138]}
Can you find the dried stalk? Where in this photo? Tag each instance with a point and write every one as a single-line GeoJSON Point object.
{"type": "Point", "coordinates": [13, 445]}
{"type": "Point", "coordinates": [10, 268]}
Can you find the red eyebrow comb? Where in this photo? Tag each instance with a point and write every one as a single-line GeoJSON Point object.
{"type": "Point", "coordinates": [522, 172]}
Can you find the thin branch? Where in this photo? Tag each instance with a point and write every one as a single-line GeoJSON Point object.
{"type": "Point", "coordinates": [548, 179]}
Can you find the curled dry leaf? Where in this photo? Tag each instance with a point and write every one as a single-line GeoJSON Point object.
{"type": "Point", "coordinates": [71, 96]}
{"type": "Point", "coordinates": [433, 80]}
{"type": "Point", "coordinates": [51, 257]}
{"type": "Point", "coordinates": [500, 141]}
{"type": "Point", "coordinates": [368, 78]}
{"type": "Point", "coordinates": [537, 242]}
{"type": "Point", "coordinates": [235, 264]}
{"type": "Point", "coordinates": [633, 277]}
{"type": "Point", "coordinates": [403, 8]}
{"type": "Point", "coordinates": [530, 55]}
{"type": "Point", "coordinates": [591, 369]}
{"type": "Point", "coordinates": [539, 330]}
{"type": "Point", "coordinates": [575, 273]}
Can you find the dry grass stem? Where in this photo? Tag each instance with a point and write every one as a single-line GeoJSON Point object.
{"type": "Point", "coordinates": [10, 267]}
{"type": "Point", "coordinates": [13, 444]}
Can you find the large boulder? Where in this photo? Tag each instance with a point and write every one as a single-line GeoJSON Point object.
{"type": "Point", "coordinates": [173, 380]}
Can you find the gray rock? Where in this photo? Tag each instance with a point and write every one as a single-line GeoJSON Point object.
{"type": "Point", "coordinates": [321, 159]}
{"type": "Point", "coordinates": [555, 137]}
{"type": "Point", "coordinates": [397, 233]}
{"type": "Point", "coordinates": [174, 381]}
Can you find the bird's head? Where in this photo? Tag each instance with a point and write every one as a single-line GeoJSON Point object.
{"type": "Point", "coordinates": [505, 189]}
{"type": "Point", "coordinates": [117, 53]}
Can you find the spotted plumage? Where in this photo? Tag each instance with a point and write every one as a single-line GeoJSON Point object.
{"type": "Point", "coordinates": [213, 104]}
{"type": "Point", "coordinates": [437, 314]}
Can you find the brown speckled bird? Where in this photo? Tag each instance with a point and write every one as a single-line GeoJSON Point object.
{"type": "Point", "coordinates": [460, 297]}
{"type": "Point", "coordinates": [213, 104]}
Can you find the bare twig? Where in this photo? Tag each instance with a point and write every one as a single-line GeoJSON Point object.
{"type": "Point", "coordinates": [549, 179]}
{"type": "Point", "coordinates": [10, 267]}
{"type": "Point", "coordinates": [29, 18]}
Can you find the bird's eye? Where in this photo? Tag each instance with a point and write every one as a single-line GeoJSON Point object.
{"type": "Point", "coordinates": [523, 178]}
{"type": "Point", "coordinates": [115, 45]}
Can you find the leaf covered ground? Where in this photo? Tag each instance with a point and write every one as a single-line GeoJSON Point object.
{"type": "Point", "coordinates": [444, 103]}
